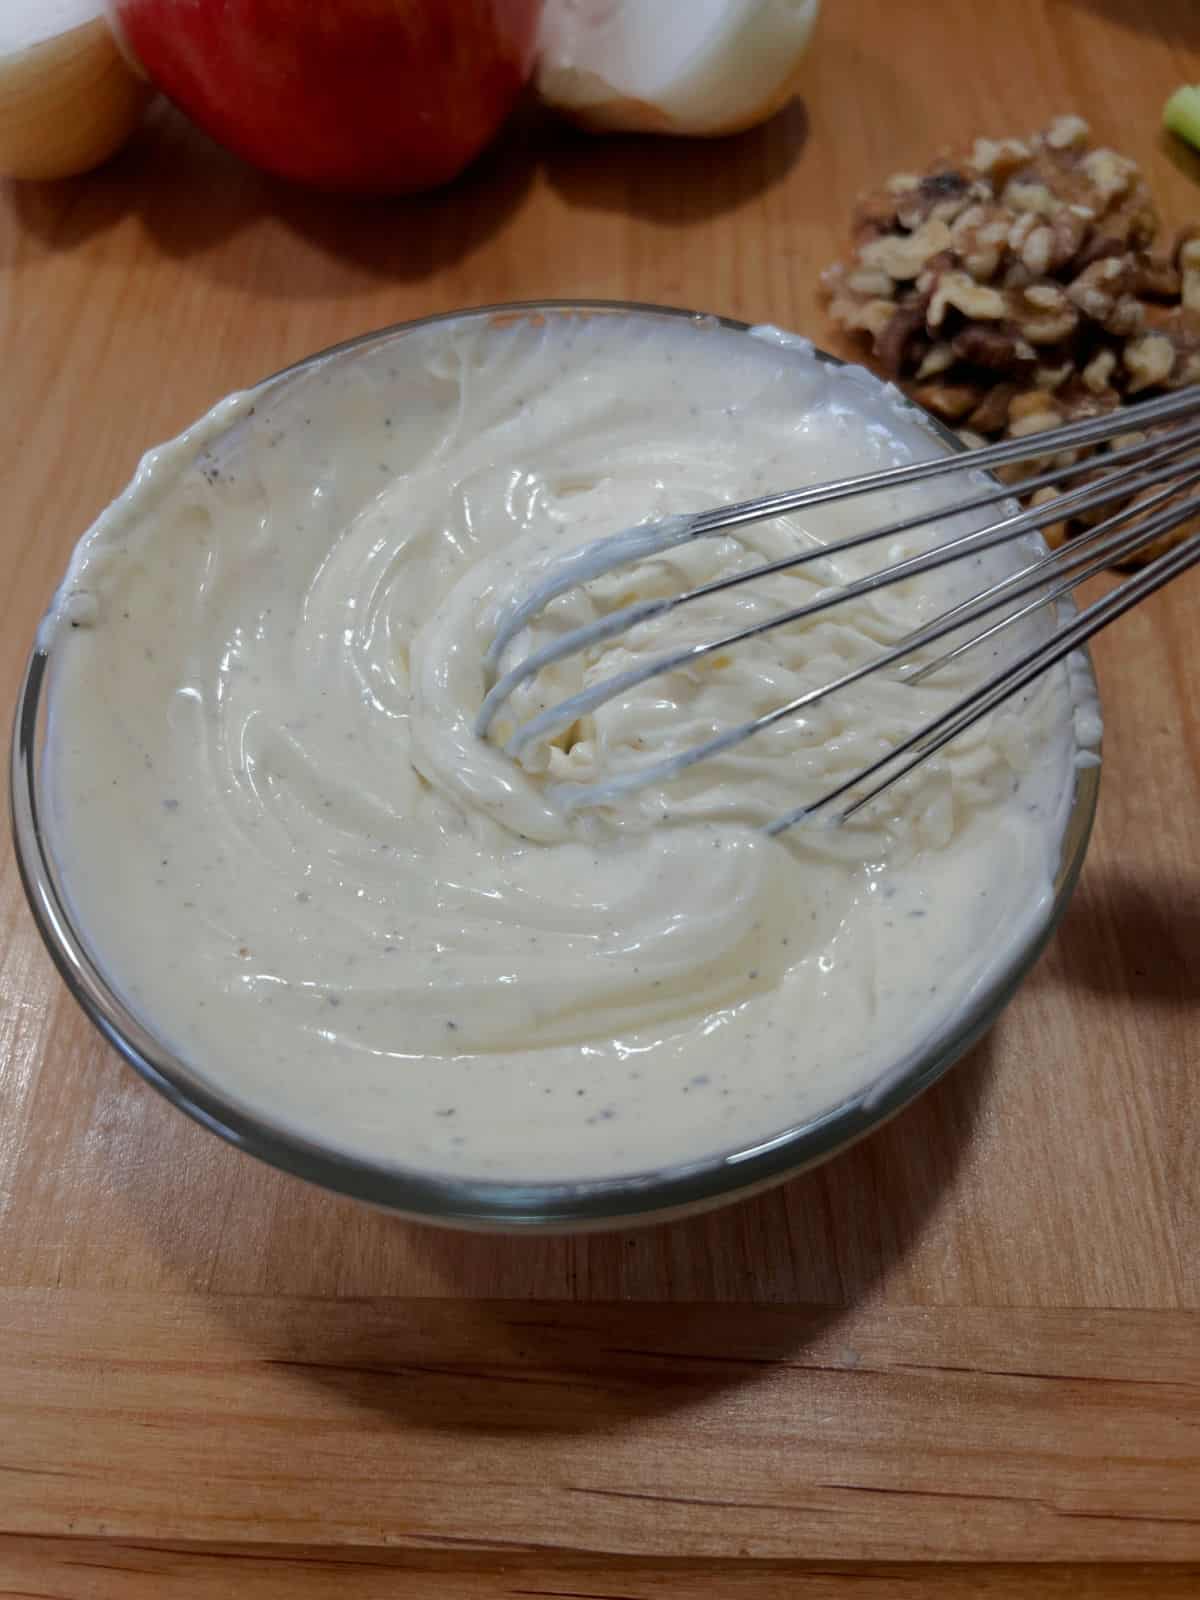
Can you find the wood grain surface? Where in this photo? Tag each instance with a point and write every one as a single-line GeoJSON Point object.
{"type": "Point", "coordinates": [962, 1359]}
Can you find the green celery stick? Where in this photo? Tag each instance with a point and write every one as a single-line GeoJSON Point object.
{"type": "Point", "coordinates": [1181, 114]}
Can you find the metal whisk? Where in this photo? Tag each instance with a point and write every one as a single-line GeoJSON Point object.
{"type": "Point", "coordinates": [1154, 480]}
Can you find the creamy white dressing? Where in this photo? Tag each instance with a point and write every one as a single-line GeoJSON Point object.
{"type": "Point", "coordinates": [303, 870]}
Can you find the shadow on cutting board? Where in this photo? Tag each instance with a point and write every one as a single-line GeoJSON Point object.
{"type": "Point", "coordinates": [192, 197]}
{"type": "Point", "coordinates": [1181, 31]}
{"type": "Point", "coordinates": [437, 1329]}
{"type": "Point", "coordinates": [673, 182]}
{"type": "Point", "coordinates": [1132, 933]}
{"type": "Point", "coordinates": [825, 1239]}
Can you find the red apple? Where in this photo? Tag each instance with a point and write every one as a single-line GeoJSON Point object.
{"type": "Point", "coordinates": [391, 95]}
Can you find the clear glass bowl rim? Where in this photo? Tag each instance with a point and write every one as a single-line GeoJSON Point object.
{"type": "Point", "coordinates": [481, 1203]}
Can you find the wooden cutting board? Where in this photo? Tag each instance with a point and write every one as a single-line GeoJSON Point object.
{"type": "Point", "coordinates": [963, 1359]}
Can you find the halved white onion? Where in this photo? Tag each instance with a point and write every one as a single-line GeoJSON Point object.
{"type": "Point", "coordinates": [701, 67]}
{"type": "Point", "coordinates": [68, 98]}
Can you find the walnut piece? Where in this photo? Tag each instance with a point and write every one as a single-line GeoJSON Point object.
{"type": "Point", "coordinates": [1189, 271]}
{"type": "Point", "coordinates": [1148, 361]}
{"type": "Point", "coordinates": [936, 360]}
{"type": "Point", "coordinates": [1016, 287]}
{"type": "Point", "coordinates": [1099, 370]}
{"type": "Point", "coordinates": [1044, 314]}
{"type": "Point", "coordinates": [995, 346]}
{"type": "Point", "coordinates": [959, 289]}
{"type": "Point", "coordinates": [901, 256]}
{"type": "Point", "coordinates": [950, 401]}
{"type": "Point", "coordinates": [1067, 133]}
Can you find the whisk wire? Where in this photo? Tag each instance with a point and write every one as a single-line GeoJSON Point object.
{"type": "Point", "coordinates": [618, 550]}
{"type": "Point", "coordinates": [554, 719]}
{"type": "Point", "coordinates": [931, 738]}
{"type": "Point", "coordinates": [573, 796]}
{"type": "Point", "coordinates": [1087, 556]}
{"type": "Point", "coordinates": [1131, 473]}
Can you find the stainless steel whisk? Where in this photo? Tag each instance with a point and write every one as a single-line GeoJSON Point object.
{"type": "Point", "coordinates": [1159, 469]}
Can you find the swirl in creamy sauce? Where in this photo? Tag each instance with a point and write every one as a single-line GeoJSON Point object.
{"type": "Point", "coordinates": [303, 870]}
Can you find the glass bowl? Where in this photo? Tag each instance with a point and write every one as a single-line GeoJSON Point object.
{"type": "Point", "coordinates": [480, 1204]}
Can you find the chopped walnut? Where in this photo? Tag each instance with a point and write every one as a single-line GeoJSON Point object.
{"type": "Point", "coordinates": [996, 158]}
{"type": "Point", "coordinates": [1132, 225]}
{"type": "Point", "coordinates": [1189, 271]}
{"type": "Point", "coordinates": [1181, 328]}
{"type": "Point", "coordinates": [1128, 317]}
{"type": "Point", "coordinates": [1111, 174]}
{"type": "Point", "coordinates": [901, 256]}
{"type": "Point", "coordinates": [898, 334]}
{"type": "Point", "coordinates": [1148, 361]}
{"type": "Point", "coordinates": [938, 197]}
{"type": "Point", "coordinates": [1158, 278]}
{"type": "Point", "coordinates": [1099, 286]}
{"type": "Point", "coordinates": [1054, 533]}
{"type": "Point", "coordinates": [1020, 230]}
{"type": "Point", "coordinates": [1016, 287]}
{"type": "Point", "coordinates": [1099, 370]}
{"type": "Point", "coordinates": [1035, 422]}
{"type": "Point", "coordinates": [1044, 314]}
{"type": "Point", "coordinates": [866, 316]}
{"type": "Point", "coordinates": [1067, 133]}
{"type": "Point", "coordinates": [1031, 406]}
{"type": "Point", "coordinates": [871, 281]}
{"type": "Point", "coordinates": [1033, 199]}
{"type": "Point", "coordinates": [936, 359]}
{"type": "Point", "coordinates": [950, 401]}
{"type": "Point", "coordinates": [1035, 252]}
{"type": "Point", "coordinates": [1068, 230]}
{"type": "Point", "coordinates": [996, 346]}
{"type": "Point", "coordinates": [991, 414]}
{"type": "Point", "coordinates": [959, 289]}
{"type": "Point", "coordinates": [1045, 377]}
{"type": "Point", "coordinates": [979, 235]}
